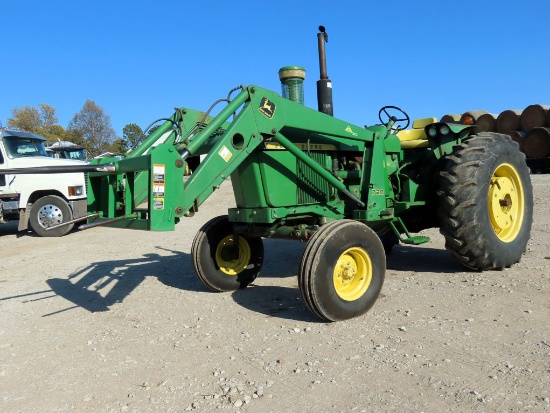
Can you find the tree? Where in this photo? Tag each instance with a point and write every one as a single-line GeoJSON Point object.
{"type": "Point", "coordinates": [132, 135]}
{"type": "Point", "coordinates": [28, 118]}
{"type": "Point", "coordinates": [41, 120]}
{"type": "Point", "coordinates": [94, 125]}
{"type": "Point", "coordinates": [75, 136]}
{"type": "Point", "coordinates": [152, 129]}
{"type": "Point", "coordinates": [48, 117]}
{"type": "Point", "coordinates": [53, 133]}
{"type": "Point", "coordinates": [118, 147]}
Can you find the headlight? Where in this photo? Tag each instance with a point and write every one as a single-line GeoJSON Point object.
{"type": "Point", "coordinates": [432, 131]}
{"type": "Point", "coordinates": [444, 130]}
{"type": "Point", "coordinates": [76, 190]}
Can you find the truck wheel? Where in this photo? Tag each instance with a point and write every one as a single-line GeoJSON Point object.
{"type": "Point", "coordinates": [213, 259]}
{"type": "Point", "coordinates": [50, 210]}
{"type": "Point", "coordinates": [342, 270]}
{"type": "Point", "coordinates": [486, 202]}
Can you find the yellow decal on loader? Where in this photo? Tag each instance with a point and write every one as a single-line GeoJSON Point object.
{"type": "Point", "coordinates": [349, 130]}
{"type": "Point", "coordinates": [158, 203]}
{"type": "Point", "coordinates": [225, 153]}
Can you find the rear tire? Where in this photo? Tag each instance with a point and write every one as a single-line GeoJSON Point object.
{"type": "Point", "coordinates": [48, 211]}
{"type": "Point", "coordinates": [486, 202]}
{"type": "Point", "coordinates": [212, 260]}
{"type": "Point", "coordinates": [342, 270]}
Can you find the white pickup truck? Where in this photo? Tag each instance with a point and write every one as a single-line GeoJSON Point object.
{"type": "Point", "coordinates": [42, 199]}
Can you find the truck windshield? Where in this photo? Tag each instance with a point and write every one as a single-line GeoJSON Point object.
{"type": "Point", "coordinates": [78, 154]}
{"type": "Point", "coordinates": [20, 147]}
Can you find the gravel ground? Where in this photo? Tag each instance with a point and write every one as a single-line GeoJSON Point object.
{"type": "Point", "coordinates": [109, 320]}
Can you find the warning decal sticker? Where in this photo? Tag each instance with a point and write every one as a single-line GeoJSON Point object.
{"type": "Point", "coordinates": [158, 190]}
{"type": "Point", "coordinates": [225, 153]}
{"type": "Point", "coordinates": [158, 203]}
{"type": "Point", "coordinates": [159, 181]}
{"type": "Point", "coordinates": [159, 171]}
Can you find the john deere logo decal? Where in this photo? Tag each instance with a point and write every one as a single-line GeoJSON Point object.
{"type": "Point", "coordinates": [267, 107]}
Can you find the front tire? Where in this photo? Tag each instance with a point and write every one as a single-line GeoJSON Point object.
{"type": "Point", "coordinates": [486, 202]}
{"type": "Point", "coordinates": [48, 211]}
{"type": "Point", "coordinates": [214, 261]}
{"type": "Point", "coordinates": [342, 270]}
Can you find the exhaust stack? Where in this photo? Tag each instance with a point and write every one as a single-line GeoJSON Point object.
{"type": "Point", "coordinates": [324, 85]}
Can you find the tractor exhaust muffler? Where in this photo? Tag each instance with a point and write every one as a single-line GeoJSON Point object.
{"type": "Point", "coordinates": [324, 85]}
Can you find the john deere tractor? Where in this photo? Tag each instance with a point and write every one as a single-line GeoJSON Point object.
{"type": "Point", "coordinates": [350, 192]}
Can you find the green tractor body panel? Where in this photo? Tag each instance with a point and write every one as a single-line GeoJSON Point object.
{"type": "Point", "coordinates": [293, 170]}
{"type": "Point", "coordinates": [284, 160]}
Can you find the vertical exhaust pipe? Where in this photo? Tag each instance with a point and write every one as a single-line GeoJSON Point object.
{"type": "Point", "coordinates": [324, 85]}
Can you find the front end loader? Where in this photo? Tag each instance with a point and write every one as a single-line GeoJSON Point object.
{"type": "Point", "coordinates": [350, 192]}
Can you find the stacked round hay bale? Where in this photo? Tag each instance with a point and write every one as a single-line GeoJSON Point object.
{"type": "Point", "coordinates": [451, 118]}
{"type": "Point", "coordinates": [508, 123]}
{"type": "Point", "coordinates": [529, 127]}
{"type": "Point", "coordinates": [518, 136]}
{"type": "Point", "coordinates": [471, 117]}
{"type": "Point", "coordinates": [486, 122]}
{"type": "Point", "coordinates": [533, 116]}
{"type": "Point", "coordinates": [534, 123]}
{"type": "Point", "coordinates": [483, 120]}
{"type": "Point", "coordinates": [536, 143]}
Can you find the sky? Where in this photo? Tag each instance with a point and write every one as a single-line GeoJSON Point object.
{"type": "Point", "coordinates": [139, 59]}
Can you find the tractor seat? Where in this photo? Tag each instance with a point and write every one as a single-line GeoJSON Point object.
{"type": "Point", "coordinates": [417, 132]}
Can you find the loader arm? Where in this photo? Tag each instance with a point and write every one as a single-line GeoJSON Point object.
{"type": "Point", "coordinates": [149, 188]}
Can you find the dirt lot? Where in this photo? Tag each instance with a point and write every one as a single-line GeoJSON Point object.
{"type": "Point", "coordinates": [109, 320]}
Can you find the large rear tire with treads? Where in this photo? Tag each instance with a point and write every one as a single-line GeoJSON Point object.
{"type": "Point", "coordinates": [486, 202]}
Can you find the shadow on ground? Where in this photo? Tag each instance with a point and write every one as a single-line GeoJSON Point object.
{"type": "Point", "coordinates": [422, 259]}
{"type": "Point", "coordinates": [99, 285]}
{"type": "Point", "coordinates": [275, 301]}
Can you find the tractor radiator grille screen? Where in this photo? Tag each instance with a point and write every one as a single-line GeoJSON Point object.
{"type": "Point", "coordinates": [311, 187]}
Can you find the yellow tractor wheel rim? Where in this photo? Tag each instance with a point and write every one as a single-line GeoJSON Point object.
{"type": "Point", "coordinates": [233, 266]}
{"type": "Point", "coordinates": [506, 202]}
{"type": "Point", "coordinates": [352, 274]}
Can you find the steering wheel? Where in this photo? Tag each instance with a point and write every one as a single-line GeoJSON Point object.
{"type": "Point", "coordinates": [400, 111]}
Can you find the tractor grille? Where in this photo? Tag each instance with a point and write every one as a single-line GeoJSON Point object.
{"type": "Point", "coordinates": [311, 187]}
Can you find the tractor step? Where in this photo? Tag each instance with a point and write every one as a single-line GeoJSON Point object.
{"type": "Point", "coordinates": [405, 237]}
{"type": "Point", "coordinates": [415, 240]}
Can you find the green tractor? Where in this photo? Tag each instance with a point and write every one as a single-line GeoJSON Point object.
{"type": "Point", "coordinates": [350, 192]}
